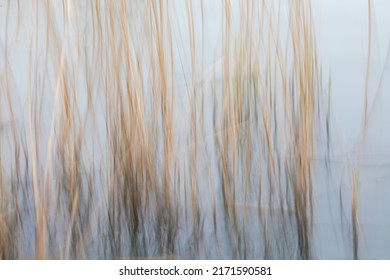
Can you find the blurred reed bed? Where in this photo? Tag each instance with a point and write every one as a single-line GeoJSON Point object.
{"type": "Point", "coordinates": [122, 142]}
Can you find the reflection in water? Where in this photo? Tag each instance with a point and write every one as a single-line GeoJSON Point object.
{"type": "Point", "coordinates": [151, 129]}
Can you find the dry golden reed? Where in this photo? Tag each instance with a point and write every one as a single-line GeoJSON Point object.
{"type": "Point", "coordinates": [107, 151]}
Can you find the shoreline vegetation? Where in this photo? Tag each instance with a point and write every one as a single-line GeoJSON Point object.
{"type": "Point", "coordinates": [120, 139]}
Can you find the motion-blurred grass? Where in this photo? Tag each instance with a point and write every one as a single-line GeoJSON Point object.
{"type": "Point", "coordinates": [118, 141]}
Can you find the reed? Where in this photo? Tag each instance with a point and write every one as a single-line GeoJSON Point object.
{"type": "Point", "coordinates": [107, 152]}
